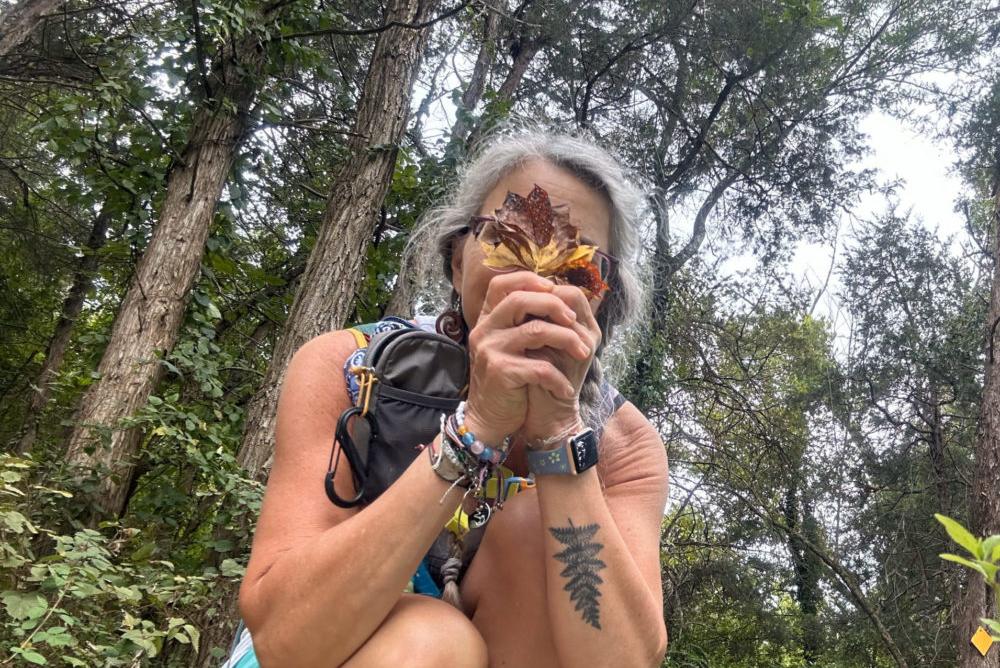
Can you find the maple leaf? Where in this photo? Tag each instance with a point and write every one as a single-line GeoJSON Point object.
{"type": "Point", "coordinates": [529, 233]}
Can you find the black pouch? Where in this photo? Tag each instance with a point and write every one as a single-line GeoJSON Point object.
{"type": "Point", "coordinates": [408, 378]}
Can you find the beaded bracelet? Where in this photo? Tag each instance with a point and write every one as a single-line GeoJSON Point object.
{"type": "Point", "coordinates": [479, 461]}
{"type": "Point", "coordinates": [483, 452]}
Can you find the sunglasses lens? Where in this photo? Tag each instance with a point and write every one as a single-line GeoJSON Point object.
{"type": "Point", "coordinates": [603, 265]}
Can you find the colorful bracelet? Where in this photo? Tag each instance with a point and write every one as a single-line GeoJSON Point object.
{"type": "Point", "coordinates": [478, 462]}
{"type": "Point", "coordinates": [493, 455]}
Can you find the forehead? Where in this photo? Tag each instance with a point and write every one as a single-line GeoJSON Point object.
{"type": "Point", "coordinates": [589, 209]}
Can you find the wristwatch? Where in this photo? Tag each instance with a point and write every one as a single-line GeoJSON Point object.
{"type": "Point", "coordinates": [575, 455]}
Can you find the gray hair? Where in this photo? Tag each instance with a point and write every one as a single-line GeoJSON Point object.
{"type": "Point", "coordinates": [428, 252]}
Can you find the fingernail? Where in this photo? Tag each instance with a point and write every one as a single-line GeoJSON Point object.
{"type": "Point", "coordinates": [570, 313]}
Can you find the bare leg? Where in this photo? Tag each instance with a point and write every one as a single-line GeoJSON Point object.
{"type": "Point", "coordinates": [422, 632]}
{"type": "Point", "coordinates": [507, 582]}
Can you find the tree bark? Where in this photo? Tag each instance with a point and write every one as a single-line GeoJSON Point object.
{"type": "Point", "coordinates": [934, 420]}
{"type": "Point", "coordinates": [20, 21]}
{"type": "Point", "coordinates": [151, 314]}
{"type": "Point", "coordinates": [72, 305]}
{"type": "Point", "coordinates": [327, 288]}
{"type": "Point", "coordinates": [401, 300]}
{"type": "Point", "coordinates": [977, 599]}
{"type": "Point", "coordinates": [800, 520]}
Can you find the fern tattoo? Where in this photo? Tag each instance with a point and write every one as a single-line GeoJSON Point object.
{"type": "Point", "coordinates": [582, 564]}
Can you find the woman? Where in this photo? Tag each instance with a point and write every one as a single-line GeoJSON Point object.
{"type": "Point", "coordinates": [323, 584]}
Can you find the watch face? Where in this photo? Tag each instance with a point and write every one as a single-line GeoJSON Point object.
{"type": "Point", "coordinates": [584, 450]}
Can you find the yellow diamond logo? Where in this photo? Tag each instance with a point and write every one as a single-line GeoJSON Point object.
{"type": "Point", "coordinates": [982, 640]}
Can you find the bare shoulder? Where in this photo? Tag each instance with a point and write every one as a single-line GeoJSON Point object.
{"type": "Point", "coordinates": [323, 352]}
{"type": "Point", "coordinates": [632, 449]}
{"type": "Point", "coordinates": [317, 366]}
{"type": "Point", "coordinates": [313, 395]}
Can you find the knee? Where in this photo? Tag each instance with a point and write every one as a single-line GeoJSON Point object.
{"type": "Point", "coordinates": [432, 633]}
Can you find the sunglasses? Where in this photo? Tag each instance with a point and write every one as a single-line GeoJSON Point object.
{"type": "Point", "coordinates": [605, 263]}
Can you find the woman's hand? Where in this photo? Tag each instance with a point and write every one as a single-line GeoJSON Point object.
{"type": "Point", "coordinates": [551, 413]}
{"type": "Point", "coordinates": [520, 313]}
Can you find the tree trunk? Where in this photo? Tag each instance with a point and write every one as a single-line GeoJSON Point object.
{"type": "Point", "coordinates": [934, 420]}
{"type": "Point", "coordinates": [19, 22]}
{"type": "Point", "coordinates": [403, 293]}
{"type": "Point", "coordinates": [327, 288]}
{"type": "Point", "coordinates": [977, 599]}
{"type": "Point", "coordinates": [643, 384]}
{"type": "Point", "coordinates": [510, 85]}
{"type": "Point", "coordinates": [151, 314]}
{"type": "Point", "coordinates": [474, 91]}
{"type": "Point", "coordinates": [72, 305]}
{"type": "Point", "coordinates": [806, 567]}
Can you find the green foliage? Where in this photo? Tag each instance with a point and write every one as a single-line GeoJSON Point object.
{"type": "Point", "coordinates": [87, 597]}
{"type": "Point", "coordinates": [985, 560]}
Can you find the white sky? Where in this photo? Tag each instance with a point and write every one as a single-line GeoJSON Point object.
{"type": "Point", "coordinates": [923, 168]}
{"type": "Point", "coordinates": [927, 187]}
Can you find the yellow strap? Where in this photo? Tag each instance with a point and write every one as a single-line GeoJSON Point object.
{"type": "Point", "coordinates": [358, 336]}
{"type": "Point", "coordinates": [459, 523]}
{"type": "Point", "coordinates": [367, 384]}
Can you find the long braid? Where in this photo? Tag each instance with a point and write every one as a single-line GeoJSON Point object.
{"type": "Point", "coordinates": [450, 571]}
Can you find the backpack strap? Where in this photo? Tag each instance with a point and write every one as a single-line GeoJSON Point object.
{"type": "Point", "coordinates": [363, 334]}
{"type": "Point", "coordinates": [359, 337]}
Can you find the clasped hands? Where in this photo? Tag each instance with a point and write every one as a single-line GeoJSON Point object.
{"type": "Point", "coordinates": [530, 351]}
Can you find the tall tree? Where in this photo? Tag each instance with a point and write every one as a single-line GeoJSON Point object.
{"type": "Point", "coordinates": [151, 313]}
{"type": "Point", "coordinates": [19, 22]}
{"type": "Point", "coordinates": [56, 350]}
{"type": "Point", "coordinates": [723, 129]}
{"type": "Point", "coordinates": [523, 38]}
{"type": "Point", "coordinates": [909, 403]}
{"type": "Point", "coordinates": [977, 600]}
{"type": "Point", "coordinates": [327, 287]}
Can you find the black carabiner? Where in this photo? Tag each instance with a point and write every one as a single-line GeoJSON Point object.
{"type": "Point", "coordinates": [343, 438]}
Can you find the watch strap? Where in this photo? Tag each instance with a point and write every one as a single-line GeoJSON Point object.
{"type": "Point", "coordinates": [550, 462]}
{"type": "Point", "coordinates": [575, 455]}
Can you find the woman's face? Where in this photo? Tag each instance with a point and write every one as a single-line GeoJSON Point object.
{"type": "Point", "coordinates": [588, 210]}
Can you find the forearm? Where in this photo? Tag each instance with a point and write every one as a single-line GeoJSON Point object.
{"type": "Point", "coordinates": [321, 600]}
{"type": "Point", "coordinates": [600, 608]}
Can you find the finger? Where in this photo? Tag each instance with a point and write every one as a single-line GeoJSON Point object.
{"type": "Point", "coordinates": [590, 337]}
{"type": "Point", "coordinates": [575, 299]}
{"type": "Point", "coordinates": [541, 373]}
{"type": "Point", "coordinates": [536, 334]}
{"type": "Point", "coordinates": [515, 308]}
{"type": "Point", "coordinates": [502, 285]}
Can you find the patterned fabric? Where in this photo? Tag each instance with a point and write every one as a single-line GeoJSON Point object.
{"type": "Point", "coordinates": [369, 330]}
{"type": "Point", "coordinates": [241, 654]}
